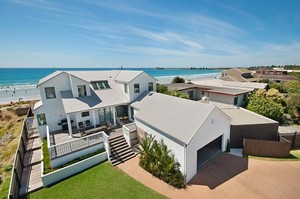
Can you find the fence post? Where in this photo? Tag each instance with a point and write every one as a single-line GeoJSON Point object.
{"type": "Point", "coordinates": [21, 159]}
{"type": "Point", "coordinates": [294, 139]}
{"type": "Point", "coordinates": [17, 177]}
{"type": "Point", "coordinates": [23, 144]}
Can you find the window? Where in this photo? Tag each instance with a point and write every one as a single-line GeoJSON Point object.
{"type": "Point", "coordinates": [235, 101]}
{"type": "Point", "coordinates": [100, 85]}
{"type": "Point", "coordinates": [41, 118]}
{"type": "Point", "coordinates": [50, 92]}
{"type": "Point", "coordinates": [81, 90]}
{"type": "Point", "coordinates": [136, 88]}
{"type": "Point", "coordinates": [150, 86]}
{"type": "Point", "coordinates": [244, 97]}
{"type": "Point", "coordinates": [85, 114]}
{"type": "Point", "coordinates": [126, 88]}
{"type": "Point", "coordinates": [191, 94]}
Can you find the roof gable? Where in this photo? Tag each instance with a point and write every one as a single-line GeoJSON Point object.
{"type": "Point", "coordinates": [178, 118]}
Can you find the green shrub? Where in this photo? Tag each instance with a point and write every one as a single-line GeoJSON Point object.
{"type": "Point", "coordinates": [178, 80]}
{"type": "Point", "coordinates": [8, 168]}
{"type": "Point", "coordinates": [156, 159]}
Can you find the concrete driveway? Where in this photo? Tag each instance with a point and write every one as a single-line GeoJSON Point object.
{"type": "Point", "coordinates": [229, 176]}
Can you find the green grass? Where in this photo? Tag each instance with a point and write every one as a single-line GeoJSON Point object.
{"type": "Point", "coordinates": [294, 156]}
{"type": "Point", "coordinates": [4, 187]}
{"type": "Point", "coordinates": [101, 181]}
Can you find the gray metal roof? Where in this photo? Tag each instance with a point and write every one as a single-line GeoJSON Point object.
{"type": "Point", "coordinates": [241, 116]}
{"type": "Point", "coordinates": [88, 76]}
{"type": "Point", "coordinates": [98, 99]}
{"type": "Point", "coordinates": [212, 89]}
{"type": "Point", "coordinates": [173, 116]}
{"type": "Point", "coordinates": [50, 76]}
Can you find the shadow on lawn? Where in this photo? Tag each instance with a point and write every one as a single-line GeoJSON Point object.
{"type": "Point", "coordinates": [220, 170]}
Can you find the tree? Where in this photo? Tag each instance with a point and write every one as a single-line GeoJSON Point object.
{"type": "Point", "coordinates": [164, 89]}
{"type": "Point", "coordinates": [178, 80]}
{"type": "Point", "coordinates": [161, 88]}
{"type": "Point", "coordinates": [293, 106]}
{"type": "Point", "coordinates": [291, 86]}
{"type": "Point", "coordinates": [265, 105]}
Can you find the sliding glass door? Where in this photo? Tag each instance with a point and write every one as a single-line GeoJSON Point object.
{"type": "Point", "coordinates": [105, 115]}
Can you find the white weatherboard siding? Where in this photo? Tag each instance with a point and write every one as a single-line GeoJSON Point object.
{"type": "Point", "coordinates": [226, 99]}
{"type": "Point", "coordinates": [143, 80]}
{"type": "Point", "coordinates": [75, 81]}
{"type": "Point", "coordinates": [177, 149]}
{"type": "Point", "coordinates": [53, 108]}
{"type": "Point", "coordinates": [214, 126]}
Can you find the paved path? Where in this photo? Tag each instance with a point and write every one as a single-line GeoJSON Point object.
{"type": "Point", "coordinates": [229, 176]}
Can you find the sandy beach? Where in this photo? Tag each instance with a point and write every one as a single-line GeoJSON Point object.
{"type": "Point", "coordinates": [10, 94]}
{"type": "Point", "coordinates": [17, 93]}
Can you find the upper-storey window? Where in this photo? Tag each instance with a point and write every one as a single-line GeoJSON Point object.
{"type": "Point", "coordinates": [150, 86]}
{"type": "Point", "coordinates": [136, 88]}
{"type": "Point", "coordinates": [126, 88]}
{"type": "Point", "coordinates": [50, 92]}
{"type": "Point", "coordinates": [81, 90]}
{"type": "Point", "coordinates": [100, 85]}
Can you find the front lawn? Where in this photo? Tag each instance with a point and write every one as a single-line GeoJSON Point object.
{"type": "Point", "coordinates": [101, 181]}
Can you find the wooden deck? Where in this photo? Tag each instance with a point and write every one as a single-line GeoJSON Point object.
{"type": "Point", "coordinates": [58, 137]}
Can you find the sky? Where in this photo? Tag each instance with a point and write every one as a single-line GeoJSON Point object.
{"type": "Point", "coordinates": [154, 33]}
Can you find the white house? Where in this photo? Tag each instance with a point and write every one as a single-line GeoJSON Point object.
{"type": "Point", "coordinates": [217, 93]}
{"type": "Point", "coordinates": [69, 98]}
{"type": "Point", "coordinates": [194, 131]}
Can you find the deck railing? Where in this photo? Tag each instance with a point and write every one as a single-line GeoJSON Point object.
{"type": "Point", "coordinates": [68, 147]}
{"type": "Point", "coordinates": [127, 130]}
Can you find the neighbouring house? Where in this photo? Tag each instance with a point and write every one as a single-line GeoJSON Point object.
{"type": "Point", "coordinates": [276, 74]}
{"type": "Point", "coordinates": [71, 100]}
{"type": "Point", "coordinates": [238, 75]}
{"type": "Point", "coordinates": [228, 95]}
{"type": "Point", "coordinates": [231, 84]}
{"type": "Point", "coordinates": [194, 132]}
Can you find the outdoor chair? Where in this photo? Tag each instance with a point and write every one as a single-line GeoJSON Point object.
{"type": "Point", "coordinates": [80, 125]}
{"type": "Point", "coordinates": [88, 123]}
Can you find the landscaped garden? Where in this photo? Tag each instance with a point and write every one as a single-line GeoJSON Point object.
{"type": "Point", "coordinates": [101, 181]}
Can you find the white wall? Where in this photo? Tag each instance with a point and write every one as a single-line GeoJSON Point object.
{"type": "Point", "coordinates": [226, 99]}
{"type": "Point", "coordinates": [67, 158]}
{"type": "Point", "coordinates": [75, 81]}
{"type": "Point", "coordinates": [214, 126]}
{"type": "Point", "coordinates": [53, 108]}
{"type": "Point", "coordinates": [143, 79]}
{"type": "Point", "coordinates": [177, 149]}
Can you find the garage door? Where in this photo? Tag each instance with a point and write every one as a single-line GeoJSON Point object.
{"type": "Point", "coordinates": [208, 152]}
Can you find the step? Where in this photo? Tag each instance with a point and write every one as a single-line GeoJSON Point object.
{"type": "Point", "coordinates": [33, 133]}
{"type": "Point", "coordinates": [119, 147]}
{"type": "Point", "coordinates": [116, 156]}
{"type": "Point", "coordinates": [32, 157]}
{"type": "Point", "coordinates": [120, 154]}
{"type": "Point", "coordinates": [33, 144]}
{"type": "Point", "coordinates": [117, 141]}
{"type": "Point", "coordinates": [122, 161]}
{"type": "Point", "coordinates": [120, 150]}
{"type": "Point", "coordinates": [115, 138]}
{"type": "Point", "coordinates": [31, 179]}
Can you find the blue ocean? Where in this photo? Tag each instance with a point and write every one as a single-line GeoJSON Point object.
{"type": "Point", "coordinates": [24, 76]}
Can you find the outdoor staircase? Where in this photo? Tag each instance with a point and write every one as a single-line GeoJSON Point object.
{"type": "Point", "coordinates": [31, 175]}
{"type": "Point", "coordinates": [120, 151]}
